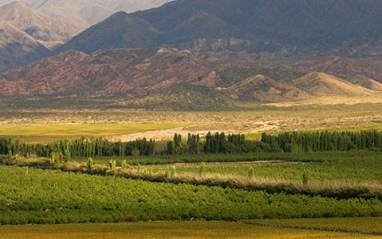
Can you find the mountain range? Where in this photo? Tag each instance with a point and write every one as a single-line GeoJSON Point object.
{"type": "Point", "coordinates": [280, 27]}
{"type": "Point", "coordinates": [18, 48]}
{"type": "Point", "coordinates": [44, 29]}
{"type": "Point", "coordinates": [222, 51]}
{"type": "Point", "coordinates": [27, 35]}
{"type": "Point", "coordinates": [158, 76]}
{"type": "Point", "coordinates": [87, 12]}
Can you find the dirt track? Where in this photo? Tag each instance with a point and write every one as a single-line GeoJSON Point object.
{"type": "Point", "coordinates": [168, 134]}
{"type": "Point", "coordinates": [215, 163]}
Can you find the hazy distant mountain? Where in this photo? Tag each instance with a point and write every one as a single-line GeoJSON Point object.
{"type": "Point", "coordinates": [87, 12]}
{"type": "Point", "coordinates": [27, 35]}
{"type": "Point", "coordinates": [283, 27]}
{"type": "Point", "coordinates": [18, 48]}
{"type": "Point", "coordinates": [44, 29]}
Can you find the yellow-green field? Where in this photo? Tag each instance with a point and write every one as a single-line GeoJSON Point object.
{"type": "Point", "coordinates": [165, 230]}
{"type": "Point", "coordinates": [48, 133]}
{"type": "Point", "coordinates": [366, 224]}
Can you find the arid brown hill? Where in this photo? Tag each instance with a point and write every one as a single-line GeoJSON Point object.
{"type": "Point", "coordinates": [154, 77]}
{"type": "Point", "coordinates": [104, 73]}
{"type": "Point", "coordinates": [281, 27]}
{"type": "Point", "coordinates": [370, 67]}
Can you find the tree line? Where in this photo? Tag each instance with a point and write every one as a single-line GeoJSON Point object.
{"type": "Point", "coordinates": [296, 142]}
{"type": "Point", "coordinates": [322, 141]}
{"type": "Point", "coordinates": [76, 148]}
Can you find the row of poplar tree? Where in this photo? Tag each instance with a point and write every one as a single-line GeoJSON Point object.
{"type": "Point", "coordinates": [212, 144]}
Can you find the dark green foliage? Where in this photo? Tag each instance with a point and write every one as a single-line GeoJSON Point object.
{"type": "Point", "coordinates": [89, 164]}
{"type": "Point", "coordinates": [193, 143]}
{"type": "Point", "coordinates": [170, 148]}
{"type": "Point", "coordinates": [251, 172]}
{"type": "Point", "coordinates": [202, 169]}
{"type": "Point", "coordinates": [10, 156]}
{"type": "Point", "coordinates": [219, 143]}
{"type": "Point", "coordinates": [112, 164]}
{"type": "Point", "coordinates": [305, 177]}
{"type": "Point", "coordinates": [323, 141]}
{"type": "Point", "coordinates": [288, 142]}
{"type": "Point", "coordinates": [177, 143]}
{"type": "Point", "coordinates": [67, 156]}
{"type": "Point", "coordinates": [61, 158]}
{"type": "Point", "coordinates": [64, 150]}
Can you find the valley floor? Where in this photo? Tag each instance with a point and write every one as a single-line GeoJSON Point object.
{"type": "Point", "coordinates": [128, 124]}
{"type": "Point", "coordinates": [34, 125]}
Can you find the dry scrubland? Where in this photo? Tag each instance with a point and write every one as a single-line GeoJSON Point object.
{"type": "Point", "coordinates": [163, 124]}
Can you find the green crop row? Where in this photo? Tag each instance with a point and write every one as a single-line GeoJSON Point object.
{"type": "Point", "coordinates": [47, 196]}
{"type": "Point", "coordinates": [349, 169]}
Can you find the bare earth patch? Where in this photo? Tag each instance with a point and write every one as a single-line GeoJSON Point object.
{"type": "Point", "coordinates": [202, 130]}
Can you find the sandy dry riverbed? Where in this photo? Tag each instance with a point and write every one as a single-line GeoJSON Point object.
{"type": "Point", "coordinates": [168, 134]}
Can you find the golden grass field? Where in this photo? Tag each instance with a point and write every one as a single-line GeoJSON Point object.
{"type": "Point", "coordinates": [166, 230]}
{"type": "Point", "coordinates": [48, 133]}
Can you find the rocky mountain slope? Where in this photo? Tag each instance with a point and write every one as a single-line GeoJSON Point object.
{"type": "Point", "coordinates": [87, 12]}
{"type": "Point", "coordinates": [18, 48]}
{"type": "Point", "coordinates": [27, 35]}
{"type": "Point", "coordinates": [164, 76]}
{"type": "Point", "coordinates": [281, 27]}
{"type": "Point", "coordinates": [48, 31]}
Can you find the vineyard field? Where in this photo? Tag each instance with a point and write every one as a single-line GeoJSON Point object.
{"type": "Point", "coordinates": [35, 196]}
{"type": "Point", "coordinates": [349, 168]}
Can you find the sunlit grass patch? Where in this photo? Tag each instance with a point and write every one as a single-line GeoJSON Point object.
{"type": "Point", "coordinates": [48, 133]}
